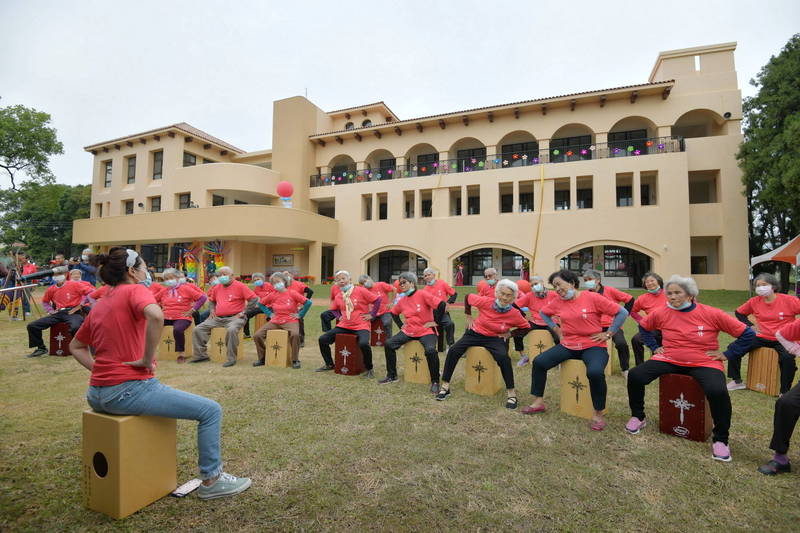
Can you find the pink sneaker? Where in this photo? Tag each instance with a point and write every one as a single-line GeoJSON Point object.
{"type": "Point", "coordinates": [721, 452]}
{"type": "Point", "coordinates": [634, 425]}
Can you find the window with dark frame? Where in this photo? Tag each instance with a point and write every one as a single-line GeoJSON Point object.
{"type": "Point", "coordinates": [384, 166]}
{"type": "Point", "coordinates": [512, 263]}
{"type": "Point", "coordinates": [530, 149]}
{"type": "Point", "coordinates": [131, 169]}
{"type": "Point", "coordinates": [107, 174]}
{"type": "Point", "coordinates": [481, 259]}
{"type": "Point", "coordinates": [425, 164]}
{"type": "Point", "coordinates": [217, 200]}
{"type": "Point", "coordinates": [425, 207]}
{"type": "Point", "coordinates": [624, 196]}
{"type": "Point", "coordinates": [155, 204]}
{"type": "Point", "coordinates": [619, 141]}
{"type": "Point", "coordinates": [158, 163]}
{"type": "Point", "coordinates": [156, 255]}
{"type": "Point", "coordinates": [189, 159]}
{"type": "Point", "coordinates": [239, 202]}
{"type": "Point", "coordinates": [561, 200]}
{"type": "Point", "coordinates": [128, 207]}
{"type": "Point", "coordinates": [585, 198]}
{"type": "Point", "coordinates": [465, 158]}
{"type": "Point", "coordinates": [207, 161]}
{"type": "Point", "coordinates": [184, 201]}
{"type": "Point", "coordinates": [574, 145]}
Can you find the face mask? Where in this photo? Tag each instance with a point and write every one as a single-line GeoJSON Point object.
{"type": "Point", "coordinates": [59, 279]}
{"type": "Point", "coordinates": [684, 305]}
{"type": "Point", "coordinates": [654, 291]}
{"type": "Point", "coordinates": [279, 286]}
{"type": "Point", "coordinates": [171, 283]}
{"type": "Point", "coordinates": [764, 290]}
{"type": "Point", "coordinates": [347, 287]}
{"type": "Point", "coordinates": [491, 282]}
{"type": "Point", "coordinates": [225, 280]}
{"type": "Point", "coordinates": [213, 282]}
{"type": "Point", "coordinates": [570, 295]}
{"type": "Point", "coordinates": [410, 291]}
{"type": "Point", "coordinates": [181, 281]}
{"type": "Point", "coordinates": [84, 257]}
{"type": "Point", "coordinates": [258, 282]}
{"type": "Point", "coordinates": [591, 284]}
{"type": "Point", "coordinates": [369, 284]}
{"type": "Point", "coordinates": [500, 307]}
{"type": "Point", "coordinates": [147, 281]}
{"type": "Point", "coordinates": [538, 287]}
{"type": "Point", "coordinates": [431, 282]}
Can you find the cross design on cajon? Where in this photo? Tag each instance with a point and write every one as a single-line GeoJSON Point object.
{"type": "Point", "coordinates": [480, 369]}
{"type": "Point", "coordinates": [168, 342]}
{"type": "Point", "coordinates": [540, 345]}
{"type": "Point", "coordinates": [761, 387]}
{"type": "Point", "coordinates": [275, 347]}
{"type": "Point", "coordinates": [60, 337]}
{"type": "Point", "coordinates": [416, 358]}
{"type": "Point", "coordinates": [578, 385]}
{"type": "Point", "coordinates": [379, 333]}
{"type": "Point", "coordinates": [345, 353]}
{"type": "Point", "coordinates": [682, 404]}
{"type": "Point", "coordinates": [220, 343]}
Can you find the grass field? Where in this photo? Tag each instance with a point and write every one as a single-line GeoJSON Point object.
{"type": "Point", "coordinates": [328, 452]}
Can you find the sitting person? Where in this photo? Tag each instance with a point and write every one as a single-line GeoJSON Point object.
{"type": "Point", "coordinates": [386, 292]}
{"type": "Point", "coordinates": [592, 280]}
{"type": "Point", "coordinates": [261, 288]}
{"type": "Point", "coordinates": [179, 301]}
{"type": "Point", "coordinates": [497, 321]}
{"type": "Point", "coordinates": [647, 303]}
{"type": "Point", "coordinates": [444, 292]}
{"type": "Point", "coordinates": [284, 308]}
{"type": "Point", "coordinates": [303, 290]}
{"type": "Point", "coordinates": [227, 302]}
{"type": "Point", "coordinates": [689, 332]}
{"type": "Point", "coordinates": [532, 303]}
{"type": "Point", "coordinates": [124, 329]}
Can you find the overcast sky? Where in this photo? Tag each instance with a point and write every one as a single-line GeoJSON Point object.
{"type": "Point", "coordinates": [104, 69]}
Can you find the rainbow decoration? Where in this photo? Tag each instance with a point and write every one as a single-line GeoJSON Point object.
{"type": "Point", "coordinates": [213, 251]}
{"type": "Point", "coordinates": [189, 259]}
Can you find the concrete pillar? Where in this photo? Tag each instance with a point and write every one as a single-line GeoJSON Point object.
{"type": "Point", "coordinates": [315, 260]}
{"type": "Point", "coordinates": [573, 193]}
{"type": "Point", "coordinates": [637, 188]}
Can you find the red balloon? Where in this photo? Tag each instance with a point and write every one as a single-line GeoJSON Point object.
{"type": "Point", "coordinates": [524, 286]}
{"type": "Point", "coordinates": [285, 189]}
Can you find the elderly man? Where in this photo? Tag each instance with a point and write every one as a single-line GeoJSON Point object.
{"type": "Point", "coordinates": [486, 285]}
{"type": "Point", "coordinates": [445, 293]}
{"type": "Point", "coordinates": [227, 301]}
{"type": "Point", "coordinates": [88, 272]}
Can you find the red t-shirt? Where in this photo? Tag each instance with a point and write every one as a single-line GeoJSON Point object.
{"type": "Point", "coordinates": [362, 303]}
{"type": "Point", "coordinates": [156, 289]}
{"type": "Point", "coordinates": [484, 289]}
{"type": "Point", "coordinates": [417, 310]}
{"type": "Point", "coordinates": [491, 322]}
{"type": "Point", "coordinates": [230, 300]}
{"type": "Point", "coordinates": [580, 318]}
{"type": "Point", "coordinates": [440, 289]}
{"type": "Point", "coordinates": [791, 332]}
{"type": "Point", "coordinates": [177, 301]}
{"type": "Point", "coordinates": [771, 316]}
{"type": "Point", "coordinates": [297, 286]}
{"type": "Point", "coordinates": [69, 294]}
{"type": "Point", "coordinates": [263, 290]}
{"type": "Point", "coordinates": [535, 303]}
{"type": "Point", "coordinates": [334, 291]}
{"type": "Point", "coordinates": [649, 302]}
{"type": "Point", "coordinates": [382, 290]}
{"type": "Point", "coordinates": [616, 296]}
{"type": "Point", "coordinates": [283, 305]}
{"type": "Point", "coordinates": [28, 268]}
{"type": "Point", "coordinates": [688, 335]}
{"type": "Point", "coordinates": [116, 329]}
{"type": "Point", "coordinates": [99, 292]}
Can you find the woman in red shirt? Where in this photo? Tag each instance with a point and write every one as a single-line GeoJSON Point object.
{"type": "Point", "coordinates": [498, 320]}
{"type": "Point", "coordinates": [582, 337]}
{"type": "Point", "coordinates": [592, 280]}
{"type": "Point", "coordinates": [443, 291]}
{"type": "Point", "coordinates": [689, 346]}
{"type": "Point", "coordinates": [179, 301]}
{"type": "Point", "coordinates": [261, 287]}
{"type": "Point", "coordinates": [386, 293]}
{"type": "Point", "coordinates": [285, 308]}
{"type": "Point", "coordinates": [533, 302]}
{"type": "Point", "coordinates": [124, 328]}
{"type": "Point", "coordinates": [648, 302]}
{"type": "Point", "coordinates": [772, 310]}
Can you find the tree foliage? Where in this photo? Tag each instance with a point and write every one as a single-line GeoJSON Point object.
{"type": "Point", "coordinates": [41, 216]}
{"type": "Point", "coordinates": [26, 144]}
{"type": "Point", "coordinates": [770, 154]}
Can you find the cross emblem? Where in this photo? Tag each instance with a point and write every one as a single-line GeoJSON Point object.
{"type": "Point", "coordinates": [540, 345]}
{"type": "Point", "coordinates": [480, 369]}
{"type": "Point", "coordinates": [578, 385]}
{"type": "Point", "coordinates": [275, 347]}
{"type": "Point", "coordinates": [344, 352]}
{"type": "Point", "coordinates": [682, 404]}
{"type": "Point", "coordinates": [220, 343]}
{"type": "Point", "coordinates": [378, 332]}
{"type": "Point", "coordinates": [416, 358]}
{"type": "Point", "coordinates": [700, 330]}
{"type": "Point", "coordinates": [60, 337]}
{"type": "Point", "coordinates": [168, 341]}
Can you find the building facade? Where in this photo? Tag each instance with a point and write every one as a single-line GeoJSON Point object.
{"type": "Point", "coordinates": [624, 180]}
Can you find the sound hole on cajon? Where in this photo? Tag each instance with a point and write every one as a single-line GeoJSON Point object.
{"type": "Point", "coordinates": [100, 464]}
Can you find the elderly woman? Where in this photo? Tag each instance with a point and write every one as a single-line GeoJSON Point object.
{"type": "Point", "coordinates": [647, 303]}
{"type": "Point", "coordinates": [532, 303]}
{"type": "Point", "coordinates": [593, 282]}
{"type": "Point", "coordinates": [179, 301]}
{"type": "Point", "coordinates": [444, 292]}
{"type": "Point", "coordinates": [304, 290]}
{"type": "Point", "coordinates": [418, 308]}
{"type": "Point", "coordinates": [787, 408]}
{"type": "Point", "coordinates": [486, 285]}
{"type": "Point", "coordinates": [689, 346]}
{"type": "Point", "coordinates": [355, 307]}
{"type": "Point", "coordinates": [582, 337]}
{"type": "Point", "coordinates": [285, 308]}
{"type": "Point", "coordinates": [497, 321]}
{"type": "Point", "coordinates": [261, 288]}
{"type": "Point", "coordinates": [328, 316]}
{"type": "Point", "coordinates": [386, 293]}
{"type": "Point", "coordinates": [772, 310]}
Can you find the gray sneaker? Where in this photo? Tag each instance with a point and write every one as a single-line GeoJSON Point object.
{"type": "Point", "coordinates": [368, 374]}
{"type": "Point", "coordinates": [225, 485]}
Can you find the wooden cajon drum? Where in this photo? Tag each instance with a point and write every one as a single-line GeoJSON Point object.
{"type": "Point", "coordinates": [762, 371]}
{"type": "Point", "coordinates": [60, 339]}
{"type": "Point", "coordinates": [482, 375]}
{"type": "Point", "coordinates": [348, 360]}
{"type": "Point", "coordinates": [166, 348]}
{"type": "Point", "coordinates": [576, 399]}
{"type": "Point", "coordinates": [279, 353]}
{"type": "Point", "coordinates": [540, 340]}
{"type": "Point", "coordinates": [415, 365]}
{"type": "Point", "coordinates": [128, 461]}
{"type": "Point", "coordinates": [218, 347]}
{"type": "Point", "coordinates": [377, 335]}
{"type": "Point", "coordinates": [683, 409]}
{"type": "Point", "coordinates": [612, 356]}
{"type": "Point", "coordinates": [260, 320]}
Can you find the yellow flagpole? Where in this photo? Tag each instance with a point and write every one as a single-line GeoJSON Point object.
{"type": "Point", "coordinates": [539, 223]}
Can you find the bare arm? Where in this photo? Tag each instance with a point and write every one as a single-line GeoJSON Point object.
{"type": "Point", "coordinates": [81, 353]}
{"type": "Point", "coordinates": [155, 323]}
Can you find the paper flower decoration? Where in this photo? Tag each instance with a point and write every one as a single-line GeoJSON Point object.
{"type": "Point", "coordinates": [453, 166]}
{"type": "Point", "coordinates": [435, 165]}
{"type": "Point", "coordinates": [584, 151]}
{"type": "Point", "coordinates": [617, 150]}
{"type": "Point", "coordinates": [569, 153]}
{"type": "Point", "coordinates": [473, 160]}
{"type": "Point", "coordinates": [407, 173]}
{"type": "Point", "coordinates": [630, 148]}
{"type": "Point", "coordinates": [556, 152]}
{"type": "Point", "coordinates": [660, 146]}
{"type": "Point", "coordinates": [361, 178]}
{"type": "Point", "coordinates": [505, 162]}
{"type": "Point", "coordinates": [424, 169]}
{"type": "Point", "coordinates": [496, 161]}
{"type": "Point", "coordinates": [637, 152]}
{"type": "Point", "coordinates": [379, 176]}
{"type": "Point", "coordinates": [524, 157]}
{"type": "Point", "coordinates": [535, 160]}
{"type": "Point", "coordinates": [414, 168]}
{"type": "Point", "coordinates": [480, 164]}
{"type": "Point", "coordinates": [649, 143]}
{"type": "Point", "coordinates": [591, 148]}
{"type": "Point", "coordinates": [515, 156]}
{"type": "Point", "coordinates": [390, 171]}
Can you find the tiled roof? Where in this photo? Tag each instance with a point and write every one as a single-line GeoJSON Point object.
{"type": "Point", "coordinates": [182, 126]}
{"type": "Point", "coordinates": [365, 106]}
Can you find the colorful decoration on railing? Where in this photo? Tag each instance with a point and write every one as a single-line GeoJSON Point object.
{"type": "Point", "coordinates": [214, 252]}
{"type": "Point", "coordinates": [189, 259]}
{"type": "Point", "coordinates": [556, 152]}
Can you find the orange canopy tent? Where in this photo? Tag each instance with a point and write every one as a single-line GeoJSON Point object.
{"type": "Point", "coordinates": [788, 253]}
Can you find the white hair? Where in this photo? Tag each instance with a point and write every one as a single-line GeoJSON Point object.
{"type": "Point", "coordinates": [689, 285]}
{"type": "Point", "coordinates": [506, 283]}
{"type": "Point", "coordinates": [408, 276]}
{"type": "Point", "coordinates": [279, 275]}
{"type": "Point", "coordinates": [593, 274]}
{"type": "Point", "coordinates": [342, 273]}
{"type": "Point", "coordinates": [429, 270]}
{"type": "Point", "coordinates": [226, 269]}
{"type": "Point", "coordinates": [490, 270]}
{"type": "Point", "coordinates": [257, 275]}
{"type": "Point", "coordinates": [363, 278]}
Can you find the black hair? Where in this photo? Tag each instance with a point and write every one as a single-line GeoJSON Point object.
{"type": "Point", "coordinates": [113, 266]}
{"type": "Point", "coordinates": [567, 275]}
{"type": "Point", "coordinates": [655, 276]}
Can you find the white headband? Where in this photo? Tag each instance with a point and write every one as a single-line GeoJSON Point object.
{"type": "Point", "coordinates": [132, 255]}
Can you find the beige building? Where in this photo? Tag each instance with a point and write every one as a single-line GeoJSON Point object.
{"type": "Point", "coordinates": [625, 179]}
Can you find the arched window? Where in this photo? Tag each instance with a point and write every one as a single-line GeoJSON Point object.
{"type": "Point", "coordinates": [348, 126]}
{"type": "Point", "coordinates": [366, 124]}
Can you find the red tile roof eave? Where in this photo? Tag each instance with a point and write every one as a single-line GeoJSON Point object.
{"type": "Point", "coordinates": [358, 107]}
{"type": "Point", "coordinates": [550, 99]}
{"type": "Point", "coordinates": [182, 126]}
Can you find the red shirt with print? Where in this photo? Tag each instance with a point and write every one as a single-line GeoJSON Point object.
{"type": "Point", "coordinates": [283, 305]}
{"type": "Point", "coordinates": [263, 290]}
{"type": "Point", "coordinates": [616, 296]}
{"type": "Point", "coordinates": [440, 289]}
{"type": "Point", "coordinates": [176, 302]}
{"type": "Point", "coordinates": [771, 316]}
{"type": "Point", "coordinates": [535, 302]}
{"type": "Point", "coordinates": [580, 318]}
{"type": "Point", "coordinates": [492, 322]}
{"type": "Point", "coordinates": [69, 294]}
{"type": "Point", "coordinates": [417, 310]}
{"type": "Point", "coordinates": [230, 300]}
{"type": "Point", "coordinates": [362, 303]}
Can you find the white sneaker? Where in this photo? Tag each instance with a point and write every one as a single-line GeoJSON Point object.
{"type": "Point", "coordinates": [732, 385]}
{"type": "Point", "coordinates": [625, 374]}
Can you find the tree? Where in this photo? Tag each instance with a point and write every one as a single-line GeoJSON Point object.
{"type": "Point", "coordinates": [770, 154]}
{"type": "Point", "coordinates": [41, 216]}
{"type": "Point", "coordinates": [26, 143]}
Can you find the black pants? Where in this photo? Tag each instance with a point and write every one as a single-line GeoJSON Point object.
{"type": "Point", "coordinates": [519, 342]}
{"type": "Point", "coordinates": [329, 337]}
{"type": "Point", "coordinates": [327, 318]}
{"type": "Point", "coordinates": [787, 410]}
{"type": "Point", "coordinates": [445, 322]}
{"type": "Point", "coordinates": [250, 312]}
{"type": "Point", "coordinates": [785, 362]}
{"type": "Point", "coordinates": [431, 355]}
{"type": "Point", "coordinates": [496, 346]}
{"type": "Point", "coordinates": [638, 346]}
{"type": "Point", "coordinates": [36, 327]}
{"type": "Point", "coordinates": [386, 322]}
{"type": "Point", "coordinates": [623, 352]}
{"type": "Point", "coordinates": [710, 379]}
{"type": "Point", "coordinates": [595, 358]}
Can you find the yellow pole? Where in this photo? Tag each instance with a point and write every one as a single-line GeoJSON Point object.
{"type": "Point", "coordinates": [539, 223]}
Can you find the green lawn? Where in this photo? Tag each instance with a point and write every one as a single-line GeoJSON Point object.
{"type": "Point", "coordinates": [328, 452]}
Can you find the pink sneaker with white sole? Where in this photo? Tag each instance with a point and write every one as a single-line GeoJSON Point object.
{"type": "Point", "coordinates": [634, 425]}
{"type": "Point", "coordinates": [721, 452]}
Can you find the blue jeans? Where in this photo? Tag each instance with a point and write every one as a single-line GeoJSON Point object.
{"type": "Point", "coordinates": [595, 359]}
{"type": "Point", "coordinates": [150, 397]}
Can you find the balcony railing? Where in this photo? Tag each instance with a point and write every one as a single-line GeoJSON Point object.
{"type": "Point", "coordinates": [561, 154]}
